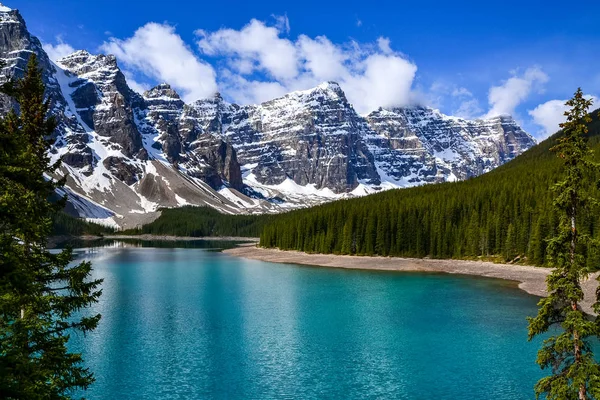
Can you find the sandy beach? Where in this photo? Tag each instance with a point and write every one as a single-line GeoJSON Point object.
{"type": "Point", "coordinates": [530, 279]}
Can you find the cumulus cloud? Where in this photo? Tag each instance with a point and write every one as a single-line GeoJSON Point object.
{"type": "Point", "coordinates": [246, 91]}
{"type": "Point", "coordinates": [260, 62]}
{"type": "Point", "coordinates": [549, 115]}
{"type": "Point", "coordinates": [158, 52]}
{"type": "Point", "coordinates": [58, 50]}
{"type": "Point", "coordinates": [321, 57]}
{"type": "Point", "coordinates": [505, 98]}
{"type": "Point", "coordinates": [380, 81]}
{"type": "Point", "coordinates": [255, 45]}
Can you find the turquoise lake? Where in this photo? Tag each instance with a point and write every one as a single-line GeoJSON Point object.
{"type": "Point", "coordinates": [185, 323]}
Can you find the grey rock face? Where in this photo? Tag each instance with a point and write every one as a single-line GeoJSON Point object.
{"type": "Point", "coordinates": [184, 141]}
{"type": "Point", "coordinates": [422, 145]}
{"type": "Point", "coordinates": [311, 137]}
{"type": "Point", "coordinates": [106, 101]}
{"type": "Point", "coordinates": [216, 159]}
{"type": "Point", "coordinates": [163, 109]}
{"type": "Point", "coordinates": [16, 46]}
{"type": "Point", "coordinates": [122, 169]}
{"type": "Point", "coordinates": [315, 137]}
{"type": "Point", "coordinates": [133, 153]}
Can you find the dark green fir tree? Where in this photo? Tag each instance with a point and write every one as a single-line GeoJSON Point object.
{"type": "Point", "coordinates": [567, 353]}
{"type": "Point", "coordinates": [41, 293]}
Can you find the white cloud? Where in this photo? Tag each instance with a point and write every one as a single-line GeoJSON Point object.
{"type": "Point", "coordinates": [358, 23]}
{"type": "Point", "coordinates": [380, 81]}
{"type": "Point", "coordinates": [282, 23]}
{"type": "Point", "coordinates": [255, 44]}
{"type": "Point", "coordinates": [549, 115]}
{"type": "Point", "coordinates": [384, 45]}
{"type": "Point", "coordinates": [260, 62]}
{"type": "Point", "coordinates": [59, 50]}
{"type": "Point", "coordinates": [324, 59]}
{"type": "Point", "coordinates": [157, 52]}
{"type": "Point", "coordinates": [248, 91]}
{"type": "Point", "coordinates": [505, 98]}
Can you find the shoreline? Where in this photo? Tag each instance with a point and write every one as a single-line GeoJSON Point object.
{"type": "Point", "coordinates": [530, 279]}
{"type": "Point", "coordinates": [170, 238]}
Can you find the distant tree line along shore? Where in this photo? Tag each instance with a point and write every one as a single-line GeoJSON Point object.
{"type": "Point", "coordinates": [184, 221]}
{"type": "Point", "coordinates": [506, 214]}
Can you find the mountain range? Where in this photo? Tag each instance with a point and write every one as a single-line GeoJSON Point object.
{"type": "Point", "coordinates": [127, 154]}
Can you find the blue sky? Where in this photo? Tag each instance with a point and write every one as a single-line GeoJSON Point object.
{"type": "Point", "coordinates": [470, 59]}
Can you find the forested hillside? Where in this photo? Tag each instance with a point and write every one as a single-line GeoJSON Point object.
{"type": "Point", "coordinates": [65, 224]}
{"type": "Point", "coordinates": [506, 213]}
{"type": "Point", "coordinates": [204, 221]}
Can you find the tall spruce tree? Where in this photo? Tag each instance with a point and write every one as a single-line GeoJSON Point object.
{"type": "Point", "coordinates": [567, 352]}
{"type": "Point", "coordinates": [41, 293]}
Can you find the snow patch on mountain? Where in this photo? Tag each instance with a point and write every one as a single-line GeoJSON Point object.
{"type": "Point", "coordinates": [126, 155]}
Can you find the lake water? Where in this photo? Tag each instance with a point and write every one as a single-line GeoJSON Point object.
{"type": "Point", "coordinates": [195, 324]}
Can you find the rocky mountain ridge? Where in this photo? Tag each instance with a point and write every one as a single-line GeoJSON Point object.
{"type": "Point", "coordinates": [127, 154]}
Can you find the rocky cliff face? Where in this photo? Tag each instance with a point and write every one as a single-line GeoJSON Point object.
{"type": "Point", "coordinates": [315, 138]}
{"type": "Point", "coordinates": [311, 137]}
{"type": "Point", "coordinates": [416, 145]}
{"type": "Point", "coordinates": [126, 154]}
{"type": "Point", "coordinates": [183, 141]}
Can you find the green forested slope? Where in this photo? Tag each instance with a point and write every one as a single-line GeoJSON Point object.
{"type": "Point", "coordinates": [204, 221]}
{"type": "Point", "coordinates": [65, 224]}
{"type": "Point", "coordinates": [506, 213]}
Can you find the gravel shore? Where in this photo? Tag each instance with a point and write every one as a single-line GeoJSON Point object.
{"type": "Point", "coordinates": [531, 279]}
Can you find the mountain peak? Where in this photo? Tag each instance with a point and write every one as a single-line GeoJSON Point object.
{"type": "Point", "coordinates": [79, 53]}
{"type": "Point", "coordinates": [84, 60]}
{"type": "Point", "coordinates": [163, 90]}
{"type": "Point", "coordinates": [302, 148]}
{"type": "Point", "coordinates": [503, 117]}
{"type": "Point", "coordinates": [10, 16]}
{"type": "Point", "coordinates": [78, 56]}
{"type": "Point", "coordinates": [327, 88]}
{"type": "Point", "coordinates": [329, 85]}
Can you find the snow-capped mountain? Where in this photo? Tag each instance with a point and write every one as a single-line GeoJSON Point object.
{"type": "Point", "coordinates": [127, 154]}
{"type": "Point", "coordinates": [419, 144]}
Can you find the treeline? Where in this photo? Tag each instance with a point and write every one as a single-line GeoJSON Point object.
{"type": "Point", "coordinates": [203, 221]}
{"type": "Point", "coordinates": [505, 214]}
{"type": "Point", "coordinates": [67, 225]}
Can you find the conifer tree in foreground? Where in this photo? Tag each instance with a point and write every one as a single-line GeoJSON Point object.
{"type": "Point", "coordinates": [40, 293]}
{"type": "Point", "coordinates": [567, 352]}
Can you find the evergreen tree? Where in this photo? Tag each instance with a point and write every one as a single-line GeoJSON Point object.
{"type": "Point", "coordinates": [575, 373]}
{"type": "Point", "coordinates": [40, 293]}
{"type": "Point", "coordinates": [460, 219]}
{"type": "Point", "coordinates": [347, 242]}
{"type": "Point", "coordinates": [510, 245]}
